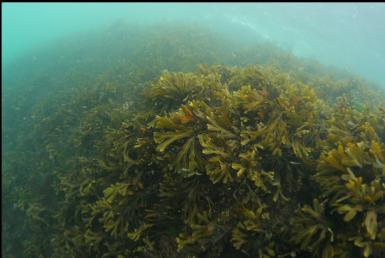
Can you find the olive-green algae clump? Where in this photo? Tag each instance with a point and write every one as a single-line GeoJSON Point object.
{"type": "Point", "coordinates": [230, 162]}
{"type": "Point", "coordinates": [257, 161]}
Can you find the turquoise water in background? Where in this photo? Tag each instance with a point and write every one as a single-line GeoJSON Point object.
{"type": "Point", "coordinates": [350, 36]}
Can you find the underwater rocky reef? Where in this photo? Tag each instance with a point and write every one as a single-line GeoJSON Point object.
{"type": "Point", "coordinates": [178, 143]}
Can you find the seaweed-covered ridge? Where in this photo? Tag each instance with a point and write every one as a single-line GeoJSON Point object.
{"type": "Point", "coordinates": [264, 160]}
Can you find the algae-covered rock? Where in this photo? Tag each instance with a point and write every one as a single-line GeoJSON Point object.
{"type": "Point", "coordinates": [224, 161]}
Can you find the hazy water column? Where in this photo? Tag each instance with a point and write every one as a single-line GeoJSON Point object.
{"type": "Point", "coordinates": [348, 35]}
{"type": "Point", "coordinates": [26, 26]}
